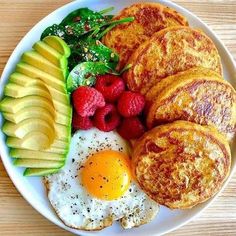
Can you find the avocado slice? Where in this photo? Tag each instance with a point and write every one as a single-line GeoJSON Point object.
{"type": "Point", "coordinates": [59, 107]}
{"type": "Point", "coordinates": [34, 140]}
{"type": "Point", "coordinates": [26, 82]}
{"type": "Point", "coordinates": [39, 171]}
{"type": "Point", "coordinates": [58, 44]}
{"type": "Point", "coordinates": [29, 154]}
{"type": "Point", "coordinates": [58, 135]}
{"type": "Point", "coordinates": [33, 112]}
{"type": "Point", "coordinates": [30, 142]}
{"type": "Point", "coordinates": [21, 129]}
{"type": "Point", "coordinates": [21, 79]}
{"type": "Point", "coordinates": [17, 91]}
{"type": "Point", "coordinates": [61, 143]}
{"type": "Point", "coordinates": [37, 163]}
{"type": "Point", "coordinates": [63, 132]}
{"type": "Point", "coordinates": [24, 110]}
{"type": "Point", "coordinates": [51, 54]}
{"type": "Point", "coordinates": [33, 58]}
{"type": "Point", "coordinates": [34, 72]}
{"type": "Point", "coordinates": [37, 108]}
{"type": "Point", "coordinates": [11, 105]}
{"type": "Point", "coordinates": [36, 112]}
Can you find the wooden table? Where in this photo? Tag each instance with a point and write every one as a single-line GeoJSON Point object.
{"type": "Point", "coordinates": [17, 217]}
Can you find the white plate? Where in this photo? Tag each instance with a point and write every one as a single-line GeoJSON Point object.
{"type": "Point", "coordinates": [32, 188]}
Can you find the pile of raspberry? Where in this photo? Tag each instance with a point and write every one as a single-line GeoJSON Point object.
{"type": "Point", "coordinates": [108, 106]}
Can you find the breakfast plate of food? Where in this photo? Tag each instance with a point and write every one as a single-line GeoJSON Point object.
{"type": "Point", "coordinates": [119, 117]}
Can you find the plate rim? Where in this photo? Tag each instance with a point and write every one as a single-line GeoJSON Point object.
{"type": "Point", "coordinates": [2, 84]}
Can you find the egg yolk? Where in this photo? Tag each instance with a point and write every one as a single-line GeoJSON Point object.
{"type": "Point", "coordinates": [106, 175]}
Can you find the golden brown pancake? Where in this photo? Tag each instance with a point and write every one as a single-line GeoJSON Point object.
{"type": "Point", "coordinates": [181, 164]}
{"type": "Point", "coordinates": [202, 99]}
{"type": "Point", "coordinates": [168, 52]}
{"type": "Point", "coordinates": [149, 18]}
{"type": "Point", "coordinates": [151, 94]}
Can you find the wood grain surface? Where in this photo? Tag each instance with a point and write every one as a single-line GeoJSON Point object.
{"type": "Point", "coordinates": [17, 217]}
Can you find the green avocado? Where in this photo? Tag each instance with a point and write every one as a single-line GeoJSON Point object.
{"type": "Point", "coordinates": [21, 129]}
{"type": "Point", "coordinates": [33, 58]}
{"type": "Point", "coordinates": [33, 112]}
{"type": "Point", "coordinates": [35, 140]}
{"type": "Point", "coordinates": [39, 171]}
{"type": "Point", "coordinates": [34, 72]}
{"type": "Point", "coordinates": [58, 44]}
{"type": "Point", "coordinates": [37, 108]}
{"type": "Point", "coordinates": [29, 154]}
{"type": "Point", "coordinates": [12, 105]}
{"type": "Point", "coordinates": [25, 81]}
{"type": "Point", "coordinates": [17, 91]}
{"type": "Point", "coordinates": [37, 163]}
{"type": "Point", "coordinates": [30, 142]}
{"type": "Point", "coordinates": [51, 54]}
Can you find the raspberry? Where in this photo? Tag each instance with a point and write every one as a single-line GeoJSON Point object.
{"type": "Point", "coordinates": [79, 122]}
{"type": "Point", "coordinates": [110, 86]}
{"type": "Point", "coordinates": [130, 104]}
{"type": "Point", "coordinates": [106, 118]}
{"type": "Point", "coordinates": [86, 100]}
{"type": "Point", "coordinates": [131, 128]}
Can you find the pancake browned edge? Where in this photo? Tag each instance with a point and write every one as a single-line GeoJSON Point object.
{"type": "Point", "coordinates": [168, 52]}
{"type": "Point", "coordinates": [149, 18]}
{"type": "Point", "coordinates": [200, 96]}
{"type": "Point", "coordinates": [181, 164]}
{"type": "Point", "coordinates": [135, 219]}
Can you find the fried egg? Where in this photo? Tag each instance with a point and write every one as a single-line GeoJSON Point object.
{"type": "Point", "coordinates": [96, 188]}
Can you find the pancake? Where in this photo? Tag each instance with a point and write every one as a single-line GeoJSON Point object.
{"type": "Point", "coordinates": [149, 18]}
{"type": "Point", "coordinates": [181, 164]}
{"type": "Point", "coordinates": [207, 100]}
{"type": "Point", "coordinates": [193, 72]}
{"type": "Point", "coordinates": [168, 52]}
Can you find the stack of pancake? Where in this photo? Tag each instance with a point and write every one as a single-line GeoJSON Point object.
{"type": "Point", "coordinates": [178, 69]}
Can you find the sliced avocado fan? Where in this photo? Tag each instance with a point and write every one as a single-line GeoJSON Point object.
{"type": "Point", "coordinates": [37, 109]}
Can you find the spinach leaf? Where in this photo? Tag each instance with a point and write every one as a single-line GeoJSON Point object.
{"type": "Point", "coordinates": [56, 30]}
{"type": "Point", "coordinates": [84, 20]}
{"type": "Point", "coordinates": [60, 31]}
{"type": "Point", "coordinates": [84, 74]}
{"type": "Point", "coordinates": [90, 49]}
{"type": "Point", "coordinates": [77, 23]}
{"type": "Point", "coordinates": [84, 14]}
{"type": "Point", "coordinates": [84, 26]}
{"type": "Point", "coordinates": [81, 22]}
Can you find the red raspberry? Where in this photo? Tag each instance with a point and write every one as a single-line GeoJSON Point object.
{"type": "Point", "coordinates": [130, 104]}
{"type": "Point", "coordinates": [86, 100]}
{"type": "Point", "coordinates": [110, 86]}
{"type": "Point", "coordinates": [79, 122]}
{"type": "Point", "coordinates": [106, 118]}
{"type": "Point", "coordinates": [131, 128]}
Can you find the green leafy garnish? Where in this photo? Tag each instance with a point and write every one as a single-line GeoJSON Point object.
{"type": "Point", "coordinates": [84, 74]}
{"type": "Point", "coordinates": [90, 49]}
{"type": "Point", "coordinates": [106, 10]}
{"type": "Point", "coordinates": [56, 30]}
{"type": "Point", "coordinates": [81, 30]}
{"type": "Point", "coordinates": [78, 22]}
{"type": "Point", "coordinates": [83, 14]}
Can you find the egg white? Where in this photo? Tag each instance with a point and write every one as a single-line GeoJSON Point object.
{"type": "Point", "coordinates": [76, 207]}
